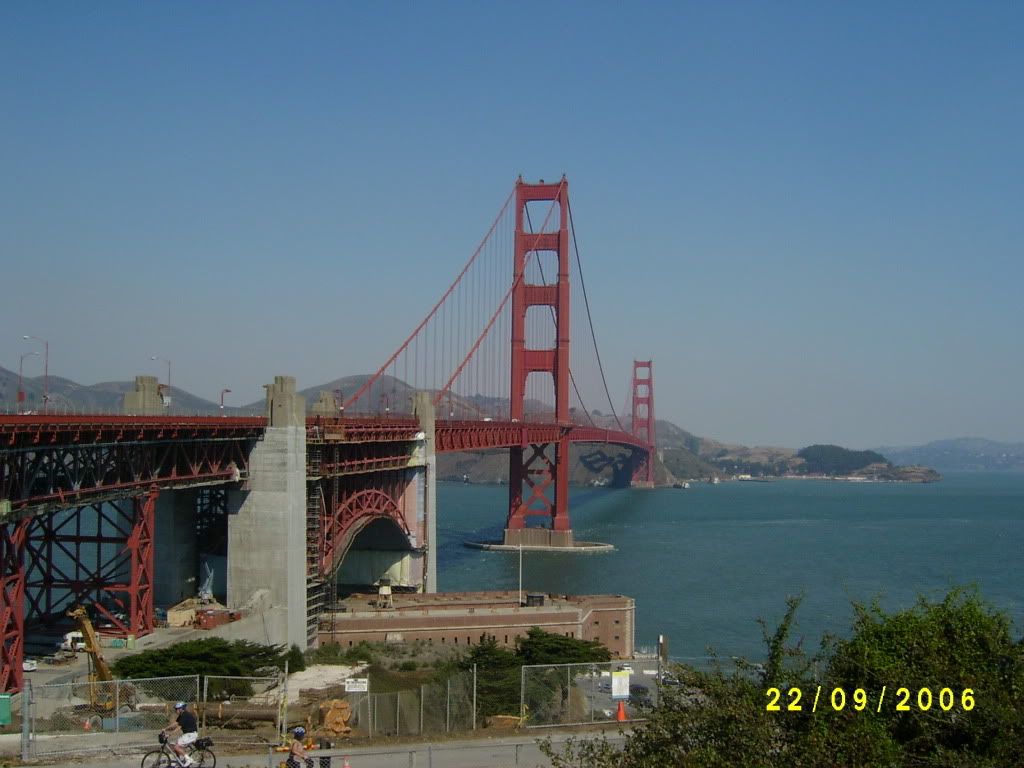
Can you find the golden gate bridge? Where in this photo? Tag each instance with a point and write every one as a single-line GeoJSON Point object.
{"type": "Point", "coordinates": [494, 358]}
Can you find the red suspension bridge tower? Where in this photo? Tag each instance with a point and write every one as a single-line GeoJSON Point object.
{"type": "Point", "coordinates": [540, 472]}
{"type": "Point", "coordinates": [643, 421]}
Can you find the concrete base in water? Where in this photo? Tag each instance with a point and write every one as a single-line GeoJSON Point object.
{"type": "Point", "coordinates": [584, 547]}
{"type": "Point", "coordinates": [537, 537]}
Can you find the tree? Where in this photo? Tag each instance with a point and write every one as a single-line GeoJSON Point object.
{"type": "Point", "coordinates": [960, 643]}
{"type": "Point", "coordinates": [497, 678]}
{"type": "Point", "coordinates": [540, 647]}
{"type": "Point", "coordinates": [210, 656]}
{"type": "Point", "coordinates": [499, 674]}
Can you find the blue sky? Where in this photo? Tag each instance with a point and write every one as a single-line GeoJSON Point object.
{"type": "Point", "coordinates": [808, 214]}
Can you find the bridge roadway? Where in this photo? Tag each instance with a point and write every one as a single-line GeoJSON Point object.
{"type": "Point", "coordinates": [60, 461]}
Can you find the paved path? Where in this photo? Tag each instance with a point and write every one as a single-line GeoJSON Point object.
{"type": "Point", "coordinates": [508, 752]}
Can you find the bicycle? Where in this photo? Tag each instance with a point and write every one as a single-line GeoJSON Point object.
{"type": "Point", "coordinates": [165, 757]}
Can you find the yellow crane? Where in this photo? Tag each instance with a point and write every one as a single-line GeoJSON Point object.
{"type": "Point", "coordinates": [101, 694]}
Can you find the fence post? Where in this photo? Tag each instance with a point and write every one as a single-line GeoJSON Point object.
{"type": "Point", "coordinates": [26, 719]}
{"type": "Point", "coordinates": [430, 757]}
{"type": "Point", "coordinates": [282, 707]}
{"type": "Point", "coordinates": [398, 713]}
{"type": "Point", "coordinates": [117, 712]}
{"type": "Point", "coordinates": [522, 700]}
{"type": "Point", "coordinates": [474, 696]}
{"type": "Point", "coordinates": [517, 754]}
{"type": "Point", "coordinates": [448, 708]}
{"type": "Point", "coordinates": [422, 687]}
{"type": "Point", "coordinates": [206, 699]}
{"type": "Point", "coordinates": [412, 758]}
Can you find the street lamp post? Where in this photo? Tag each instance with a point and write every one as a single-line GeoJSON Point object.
{"type": "Point", "coordinates": [46, 367]}
{"type": "Point", "coordinates": [21, 389]}
{"type": "Point", "coordinates": [222, 393]}
{"type": "Point", "coordinates": [157, 357]}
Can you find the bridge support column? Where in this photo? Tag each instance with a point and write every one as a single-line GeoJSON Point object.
{"type": "Point", "coordinates": [12, 604]}
{"type": "Point", "coordinates": [545, 472]}
{"type": "Point", "coordinates": [267, 522]}
{"type": "Point", "coordinates": [545, 465]}
{"type": "Point", "coordinates": [145, 399]}
{"type": "Point", "coordinates": [425, 413]}
{"type": "Point", "coordinates": [643, 423]}
{"type": "Point", "coordinates": [177, 553]}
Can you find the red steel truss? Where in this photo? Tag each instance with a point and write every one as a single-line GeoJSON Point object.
{"type": "Point", "coordinates": [98, 555]}
{"type": "Point", "coordinates": [56, 462]}
{"type": "Point", "coordinates": [547, 479]}
{"type": "Point", "coordinates": [643, 420]}
{"type": "Point", "coordinates": [12, 604]}
{"type": "Point", "coordinates": [349, 505]}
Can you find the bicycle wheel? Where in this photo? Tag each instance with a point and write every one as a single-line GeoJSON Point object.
{"type": "Point", "coordinates": [204, 758]}
{"type": "Point", "coordinates": [156, 759]}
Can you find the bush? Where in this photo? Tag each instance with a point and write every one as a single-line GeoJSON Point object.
{"type": "Point", "coordinates": [296, 659]}
{"type": "Point", "coordinates": [719, 718]}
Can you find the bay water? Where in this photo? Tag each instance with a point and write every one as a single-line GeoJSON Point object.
{"type": "Point", "coordinates": [704, 564]}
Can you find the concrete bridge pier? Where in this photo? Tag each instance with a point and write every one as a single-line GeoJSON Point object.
{"type": "Point", "coordinates": [176, 564]}
{"type": "Point", "coordinates": [267, 520]}
{"type": "Point", "coordinates": [424, 409]}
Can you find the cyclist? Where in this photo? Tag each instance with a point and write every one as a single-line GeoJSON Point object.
{"type": "Point", "coordinates": [184, 722]}
{"type": "Point", "coordinates": [297, 757]}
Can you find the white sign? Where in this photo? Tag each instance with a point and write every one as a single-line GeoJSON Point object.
{"type": "Point", "coordinates": [362, 685]}
{"type": "Point", "coordinates": [620, 685]}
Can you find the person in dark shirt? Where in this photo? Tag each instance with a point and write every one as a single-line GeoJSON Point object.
{"type": "Point", "coordinates": [184, 723]}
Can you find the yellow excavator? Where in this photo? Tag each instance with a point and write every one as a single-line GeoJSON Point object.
{"type": "Point", "coordinates": [101, 692]}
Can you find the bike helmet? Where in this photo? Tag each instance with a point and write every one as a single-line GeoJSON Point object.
{"type": "Point", "coordinates": [299, 732]}
{"type": "Point", "coordinates": [180, 705]}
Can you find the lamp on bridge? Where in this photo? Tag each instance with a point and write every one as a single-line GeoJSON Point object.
{"type": "Point", "coordinates": [46, 367]}
{"type": "Point", "coordinates": [222, 393]}
{"type": "Point", "coordinates": [21, 390]}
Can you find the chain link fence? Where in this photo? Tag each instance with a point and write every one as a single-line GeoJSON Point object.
{"type": "Point", "coordinates": [435, 708]}
{"type": "Point", "coordinates": [578, 694]}
{"type": "Point", "coordinates": [83, 717]}
{"type": "Point", "coordinates": [242, 711]}
{"type": "Point", "coordinates": [86, 716]}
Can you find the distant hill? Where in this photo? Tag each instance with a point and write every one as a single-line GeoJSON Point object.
{"type": "Point", "coordinates": [69, 396]}
{"type": "Point", "coordinates": [833, 460]}
{"type": "Point", "coordinates": [962, 454]}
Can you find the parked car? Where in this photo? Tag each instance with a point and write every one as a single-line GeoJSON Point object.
{"type": "Point", "coordinates": [29, 665]}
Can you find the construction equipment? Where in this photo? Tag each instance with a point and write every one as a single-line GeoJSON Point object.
{"type": "Point", "coordinates": [101, 692]}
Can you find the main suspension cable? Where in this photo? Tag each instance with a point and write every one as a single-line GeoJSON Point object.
{"type": "Point", "coordinates": [590, 320]}
{"type": "Point", "coordinates": [554, 321]}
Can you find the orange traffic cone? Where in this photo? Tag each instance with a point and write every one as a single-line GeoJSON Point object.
{"type": "Point", "coordinates": [620, 715]}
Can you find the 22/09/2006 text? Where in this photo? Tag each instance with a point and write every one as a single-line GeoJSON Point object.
{"type": "Point", "coordinates": [860, 699]}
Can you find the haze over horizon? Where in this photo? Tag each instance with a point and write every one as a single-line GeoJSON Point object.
{"type": "Point", "coordinates": [808, 217]}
